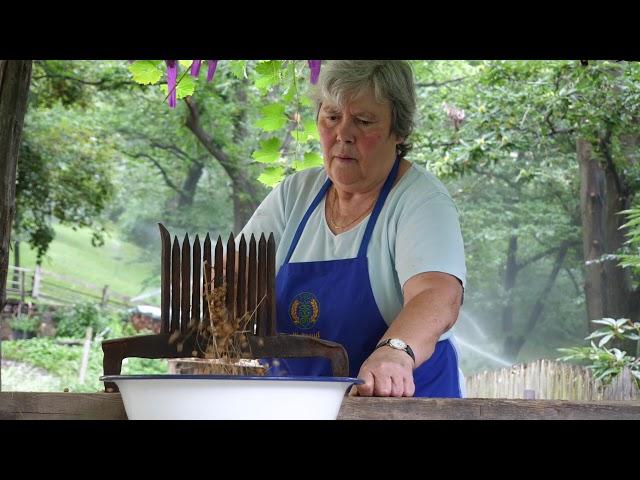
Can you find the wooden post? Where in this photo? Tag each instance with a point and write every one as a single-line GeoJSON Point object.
{"type": "Point", "coordinates": [105, 296]}
{"type": "Point", "coordinates": [23, 274]}
{"type": "Point", "coordinates": [37, 277]}
{"type": "Point", "coordinates": [86, 349]}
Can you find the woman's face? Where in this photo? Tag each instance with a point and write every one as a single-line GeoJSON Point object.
{"type": "Point", "coordinates": [358, 146]}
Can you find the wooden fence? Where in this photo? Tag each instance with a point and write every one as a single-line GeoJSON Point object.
{"type": "Point", "coordinates": [550, 380]}
{"type": "Point", "coordinates": [53, 288]}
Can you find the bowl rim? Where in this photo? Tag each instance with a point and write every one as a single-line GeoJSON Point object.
{"type": "Point", "coordinates": [115, 378]}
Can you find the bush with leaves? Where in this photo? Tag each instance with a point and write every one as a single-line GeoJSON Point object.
{"type": "Point", "coordinates": [73, 322]}
{"type": "Point", "coordinates": [630, 257]}
{"type": "Point", "coordinates": [608, 363]}
{"type": "Point", "coordinates": [24, 323]}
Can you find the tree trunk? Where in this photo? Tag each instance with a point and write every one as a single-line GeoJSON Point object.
{"type": "Point", "coordinates": [603, 194]}
{"type": "Point", "coordinates": [536, 312]}
{"type": "Point", "coordinates": [244, 189]}
{"type": "Point", "coordinates": [15, 76]}
{"type": "Point", "coordinates": [510, 277]}
{"type": "Point", "coordinates": [186, 196]}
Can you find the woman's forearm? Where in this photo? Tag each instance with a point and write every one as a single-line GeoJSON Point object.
{"type": "Point", "coordinates": [431, 310]}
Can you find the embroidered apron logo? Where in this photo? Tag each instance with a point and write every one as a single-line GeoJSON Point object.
{"type": "Point", "coordinates": [304, 310]}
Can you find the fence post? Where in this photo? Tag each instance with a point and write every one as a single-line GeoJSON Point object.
{"type": "Point", "coordinates": [105, 296]}
{"type": "Point", "coordinates": [85, 354]}
{"type": "Point", "coordinates": [35, 288]}
{"type": "Point", "coordinates": [23, 274]}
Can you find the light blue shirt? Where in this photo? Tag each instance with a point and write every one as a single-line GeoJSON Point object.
{"type": "Point", "coordinates": [417, 231]}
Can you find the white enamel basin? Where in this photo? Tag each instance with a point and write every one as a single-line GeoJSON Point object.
{"type": "Point", "coordinates": [231, 397]}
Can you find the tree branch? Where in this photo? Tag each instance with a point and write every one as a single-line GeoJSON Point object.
{"type": "Point", "coordinates": [439, 84]}
{"type": "Point", "coordinates": [574, 281]}
{"type": "Point", "coordinates": [163, 172]}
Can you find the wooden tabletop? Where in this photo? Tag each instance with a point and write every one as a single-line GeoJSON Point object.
{"type": "Point", "coordinates": [108, 406]}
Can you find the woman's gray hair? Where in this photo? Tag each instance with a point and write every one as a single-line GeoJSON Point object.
{"type": "Point", "coordinates": [390, 80]}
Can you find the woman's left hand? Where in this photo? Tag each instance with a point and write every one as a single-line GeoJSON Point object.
{"type": "Point", "coordinates": [387, 373]}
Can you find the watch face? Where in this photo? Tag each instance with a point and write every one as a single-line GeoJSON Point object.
{"type": "Point", "coordinates": [397, 343]}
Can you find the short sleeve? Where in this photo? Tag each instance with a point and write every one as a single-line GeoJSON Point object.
{"type": "Point", "coordinates": [269, 216]}
{"type": "Point", "coordinates": [429, 239]}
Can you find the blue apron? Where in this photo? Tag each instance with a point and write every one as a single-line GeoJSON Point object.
{"type": "Point", "coordinates": [333, 300]}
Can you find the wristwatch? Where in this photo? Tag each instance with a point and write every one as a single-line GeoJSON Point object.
{"type": "Point", "coordinates": [398, 345]}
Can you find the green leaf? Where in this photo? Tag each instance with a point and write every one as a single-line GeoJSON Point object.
{"type": "Point", "coordinates": [268, 74]}
{"type": "Point", "coordinates": [269, 151]}
{"type": "Point", "coordinates": [290, 93]}
{"type": "Point", "coordinates": [310, 160]}
{"type": "Point", "coordinates": [311, 129]}
{"type": "Point", "coordinates": [185, 63]}
{"type": "Point", "coordinates": [273, 118]}
{"type": "Point", "coordinates": [596, 334]}
{"type": "Point", "coordinates": [238, 68]}
{"type": "Point", "coordinates": [605, 339]}
{"type": "Point", "coordinates": [186, 87]}
{"type": "Point", "coordinates": [146, 72]}
{"type": "Point", "coordinates": [605, 321]}
{"type": "Point", "coordinates": [271, 176]}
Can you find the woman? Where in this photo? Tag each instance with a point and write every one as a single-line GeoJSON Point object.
{"type": "Point", "coordinates": [369, 249]}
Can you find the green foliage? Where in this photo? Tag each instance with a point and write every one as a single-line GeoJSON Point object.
{"type": "Point", "coordinates": [271, 176]}
{"type": "Point", "coordinates": [607, 363]}
{"type": "Point", "coordinates": [73, 321]}
{"type": "Point", "coordinates": [116, 262]}
{"type": "Point", "coordinates": [269, 151]}
{"type": "Point", "coordinates": [184, 88]}
{"type": "Point", "coordinates": [631, 257]}
{"type": "Point", "coordinates": [147, 72]}
{"type": "Point", "coordinates": [24, 323]}
{"type": "Point", "coordinates": [273, 117]}
{"type": "Point", "coordinates": [64, 172]}
{"type": "Point", "coordinates": [290, 117]}
{"type": "Point", "coordinates": [64, 361]}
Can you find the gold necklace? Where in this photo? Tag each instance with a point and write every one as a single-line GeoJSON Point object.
{"type": "Point", "coordinates": [333, 215]}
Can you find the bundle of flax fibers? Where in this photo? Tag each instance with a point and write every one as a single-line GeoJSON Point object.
{"type": "Point", "coordinates": [223, 341]}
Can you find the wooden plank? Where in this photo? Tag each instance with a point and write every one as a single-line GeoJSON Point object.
{"type": "Point", "coordinates": [271, 285]}
{"type": "Point", "coordinates": [371, 408]}
{"type": "Point", "coordinates": [175, 285]}
{"type": "Point", "coordinates": [61, 406]}
{"type": "Point", "coordinates": [206, 278]}
{"type": "Point", "coordinates": [165, 278]}
{"type": "Point", "coordinates": [186, 283]}
{"type": "Point", "coordinates": [261, 327]}
{"type": "Point", "coordinates": [230, 270]}
{"type": "Point", "coordinates": [251, 284]}
{"type": "Point", "coordinates": [196, 290]}
{"type": "Point", "coordinates": [108, 406]}
{"type": "Point", "coordinates": [81, 283]}
{"type": "Point", "coordinates": [13, 268]}
{"type": "Point", "coordinates": [218, 265]}
{"type": "Point", "coordinates": [241, 297]}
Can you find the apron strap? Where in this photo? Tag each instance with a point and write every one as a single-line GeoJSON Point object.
{"type": "Point", "coordinates": [376, 210]}
{"type": "Point", "coordinates": [370, 224]}
{"type": "Point", "coordinates": [305, 219]}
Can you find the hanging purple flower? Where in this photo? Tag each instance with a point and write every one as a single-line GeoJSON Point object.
{"type": "Point", "coordinates": [212, 69]}
{"type": "Point", "coordinates": [195, 68]}
{"type": "Point", "coordinates": [172, 73]}
{"type": "Point", "coordinates": [314, 65]}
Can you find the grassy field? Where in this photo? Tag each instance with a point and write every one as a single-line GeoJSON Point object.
{"type": "Point", "coordinates": [116, 263]}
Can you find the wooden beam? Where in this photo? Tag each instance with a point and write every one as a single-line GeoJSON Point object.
{"type": "Point", "coordinates": [61, 406]}
{"type": "Point", "coordinates": [108, 406]}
